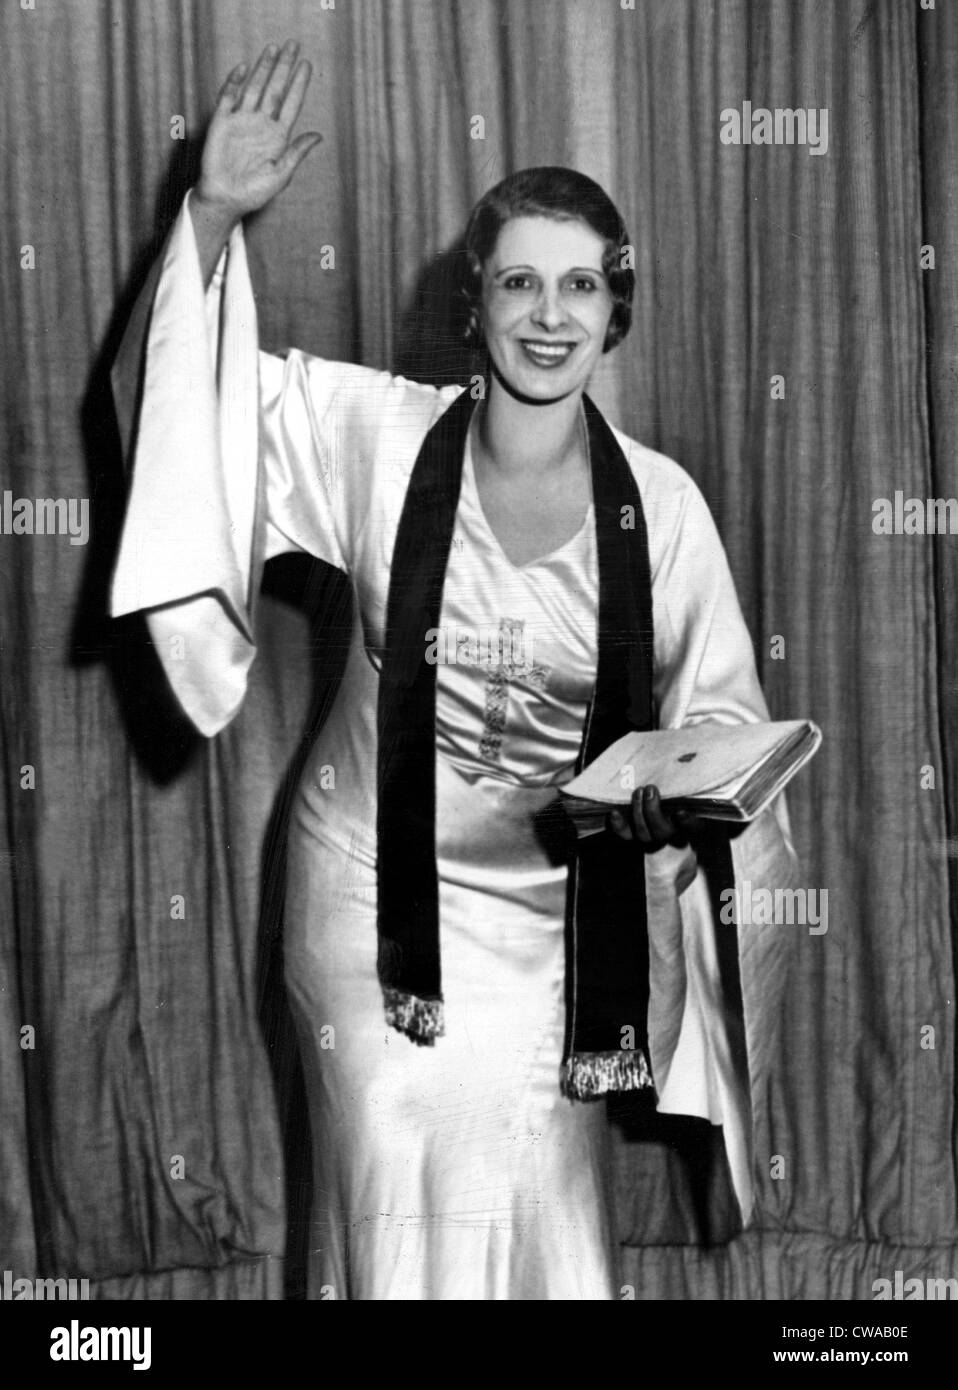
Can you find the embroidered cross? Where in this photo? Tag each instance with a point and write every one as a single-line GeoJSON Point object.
{"type": "Point", "coordinates": [509, 663]}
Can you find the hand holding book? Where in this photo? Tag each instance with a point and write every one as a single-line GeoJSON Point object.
{"type": "Point", "coordinates": [714, 771]}
{"type": "Point", "coordinates": [649, 821]}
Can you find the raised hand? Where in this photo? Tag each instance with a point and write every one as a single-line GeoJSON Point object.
{"type": "Point", "coordinates": [250, 155]}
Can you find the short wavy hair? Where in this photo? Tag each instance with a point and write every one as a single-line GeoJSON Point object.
{"type": "Point", "coordinates": [565, 195]}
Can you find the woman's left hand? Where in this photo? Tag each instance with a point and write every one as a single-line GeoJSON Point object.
{"type": "Point", "coordinates": [646, 820]}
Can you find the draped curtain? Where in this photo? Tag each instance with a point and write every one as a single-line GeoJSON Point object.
{"type": "Point", "coordinates": [794, 347]}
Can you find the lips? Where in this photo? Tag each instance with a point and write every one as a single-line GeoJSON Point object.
{"type": "Point", "coordinates": [547, 355]}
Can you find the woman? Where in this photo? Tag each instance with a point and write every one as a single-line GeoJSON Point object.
{"type": "Point", "coordinates": [529, 584]}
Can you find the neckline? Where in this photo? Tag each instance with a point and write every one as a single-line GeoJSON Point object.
{"type": "Point", "coordinates": [469, 478]}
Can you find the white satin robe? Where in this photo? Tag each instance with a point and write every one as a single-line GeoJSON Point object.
{"type": "Point", "coordinates": [456, 1171]}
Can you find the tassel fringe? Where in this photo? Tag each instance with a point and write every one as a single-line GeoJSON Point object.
{"type": "Point", "coordinates": [588, 1075]}
{"type": "Point", "coordinates": [420, 1019]}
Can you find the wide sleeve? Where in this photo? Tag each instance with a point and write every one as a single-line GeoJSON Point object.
{"type": "Point", "coordinates": [704, 665]}
{"type": "Point", "coordinates": [217, 485]}
{"type": "Point", "coordinates": [712, 1035]}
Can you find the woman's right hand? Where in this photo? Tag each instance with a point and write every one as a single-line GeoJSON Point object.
{"type": "Point", "coordinates": [249, 155]}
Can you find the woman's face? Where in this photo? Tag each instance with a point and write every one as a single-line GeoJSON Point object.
{"type": "Point", "coordinates": [546, 305]}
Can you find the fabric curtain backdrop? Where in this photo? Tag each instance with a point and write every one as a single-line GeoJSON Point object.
{"type": "Point", "coordinates": [142, 1142]}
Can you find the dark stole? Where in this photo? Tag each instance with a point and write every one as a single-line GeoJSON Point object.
{"type": "Point", "coordinates": [607, 953]}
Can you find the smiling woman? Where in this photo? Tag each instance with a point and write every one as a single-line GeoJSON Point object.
{"type": "Point", "coordinates": [548, 295]}
{"type": "Point", "coordinates": [427, 900]}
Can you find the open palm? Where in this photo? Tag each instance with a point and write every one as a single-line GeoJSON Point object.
{"type": "Point", "coordinates": [249, 155]}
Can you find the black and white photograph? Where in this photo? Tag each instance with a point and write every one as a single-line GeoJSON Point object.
{"type": "Point", "coordinates": [479, 666]}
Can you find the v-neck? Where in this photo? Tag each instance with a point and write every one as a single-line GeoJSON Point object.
{"type": "Point", "coordinates": [471, 485]}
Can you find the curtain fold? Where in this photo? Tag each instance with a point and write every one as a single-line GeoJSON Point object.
{"type": "Point", "coordinates": [788, 349]}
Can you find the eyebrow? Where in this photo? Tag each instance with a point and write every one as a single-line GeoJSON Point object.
{"type": "Point", "coordinates": [575, 270]}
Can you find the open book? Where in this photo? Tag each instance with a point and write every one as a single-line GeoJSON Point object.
{"type": "Point", "coordinates": [720, 771]}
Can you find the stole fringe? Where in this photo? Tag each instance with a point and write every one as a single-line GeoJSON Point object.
{"type": "Point", "coordinates": [420, 1019]}
{"type": "Point", "coordinates": [587, 1075]}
